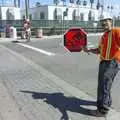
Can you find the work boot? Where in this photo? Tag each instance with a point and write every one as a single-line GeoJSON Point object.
{"type": "Point", "coordinates": [98, 113]}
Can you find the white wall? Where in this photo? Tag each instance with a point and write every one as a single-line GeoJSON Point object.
{"type": "Point", "coordinates": [81, 9]}
{"type": "Point", "coordinates": [15, 11]}
{"type": "Point", "coordinates": [35, 12]}
{"type": "Point", "coordinates": [39, 10]}
{"type": "Point", "coordinates": [49, 12]}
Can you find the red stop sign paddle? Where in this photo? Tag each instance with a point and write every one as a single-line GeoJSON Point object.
{"type": "Point", "coordinates": [75, 39]}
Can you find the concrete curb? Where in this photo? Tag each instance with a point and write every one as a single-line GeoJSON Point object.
{"type": "Point", "coordinates": [44, 37]}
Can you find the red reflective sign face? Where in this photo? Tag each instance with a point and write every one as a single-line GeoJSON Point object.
{"type": "Point", "coordinates": [74, 39]}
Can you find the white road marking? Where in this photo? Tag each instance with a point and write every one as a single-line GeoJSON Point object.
{"type": "Point", "coordinates": [91, 46]}
{"type": "Point", "coordinates": [37, 49]}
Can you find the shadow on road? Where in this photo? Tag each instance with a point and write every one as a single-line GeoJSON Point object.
{"type": "Point", "coordinates": [20, 41]}
{"type": "Point", "coordinates": [64, 103]}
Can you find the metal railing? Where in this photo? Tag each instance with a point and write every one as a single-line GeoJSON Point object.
{"type": "Point", "coordinates": [55, 26]}
{"type": "Point", "coordinates": [54, 23]}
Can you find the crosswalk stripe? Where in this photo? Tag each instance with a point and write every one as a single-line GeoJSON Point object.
{"type": "Point", "coordinates": [37, 49]}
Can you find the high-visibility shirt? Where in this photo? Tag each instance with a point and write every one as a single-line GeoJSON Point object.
{"type": "Point", "coordinates": [110, 44]}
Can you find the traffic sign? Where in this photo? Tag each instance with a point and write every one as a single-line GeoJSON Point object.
{"type": "Point", "coordinates": [75, 39]}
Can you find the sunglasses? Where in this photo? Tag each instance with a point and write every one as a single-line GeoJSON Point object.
{"type": "Point", "coordinates": [103, 24]}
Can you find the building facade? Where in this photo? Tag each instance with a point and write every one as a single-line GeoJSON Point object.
{"type": "Point", "coordinates": [10, 10]}
{"type": "Point", "coordinates": [60, 12]}
{"type": "Point", "coordinates": [10, 13]}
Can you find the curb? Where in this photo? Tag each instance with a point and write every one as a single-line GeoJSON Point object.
{"type": "Point", "coordinates": [45, 37]}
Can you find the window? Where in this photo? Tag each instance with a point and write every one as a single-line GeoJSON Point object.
{"type": "Point", "coordinates": [90, 16]}
{"type": "Point", "coordinates": [75, 15]}
{"type": "Point", "coordinates": [30, 16]}
{"type": "Point", "coordinates": [10, 14]}
{"type": "Point", "coordinates": [42, 15]}
{"type": "Point", "coordinates": [58, 14]}
{"type": "Point", "coordinates": [81, 16]}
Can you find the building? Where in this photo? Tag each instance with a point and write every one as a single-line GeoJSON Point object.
{"type": "Point", "coordinates": [60, 12]}
{"type": "Point", "coordinates": [10, 10]}
{"type": "Point", "coordinates": [10, 13]}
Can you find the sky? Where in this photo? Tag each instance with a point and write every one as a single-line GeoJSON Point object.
{"type": "Point", "coordinates": [114, 3]}
{"type": "Point", "coordinates": [106, 2]}
{"type": "Point", "coordinates": [32, 2]}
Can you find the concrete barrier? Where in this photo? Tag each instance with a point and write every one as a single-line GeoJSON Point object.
{"type": "Point", "coordinates": [39, 33]}
{"type": "Point", "coordinates": [13, 33]}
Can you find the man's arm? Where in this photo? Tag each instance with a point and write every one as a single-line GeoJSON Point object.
{"type": "Point", "coordinates": [94, 51]}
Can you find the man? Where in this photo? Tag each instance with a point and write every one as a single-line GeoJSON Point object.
{"type": "Point", "coordinates": [109, 51]}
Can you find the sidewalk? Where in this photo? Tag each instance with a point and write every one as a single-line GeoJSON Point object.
{"type": "Point", "coordinates": [29, 92]}
{"type": "Point", "coordinates": [43, 38]}
{"type": "Point", "coordinates": [33, 38]}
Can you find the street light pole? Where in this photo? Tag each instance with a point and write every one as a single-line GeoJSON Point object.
{"type": "Point", "coordinates": [26, 8]}
{"type": "Point", "coordinates": [2, 3]}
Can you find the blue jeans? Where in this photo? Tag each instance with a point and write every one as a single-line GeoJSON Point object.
{"type": "Point", "coordinates": [106, 75]}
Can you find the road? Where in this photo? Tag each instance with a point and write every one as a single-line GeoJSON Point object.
{"type": "Point", "coordinates": [77, 69]}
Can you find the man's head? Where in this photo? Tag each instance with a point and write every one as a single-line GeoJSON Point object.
{"type": "Point", "coordinates": [107, 23]}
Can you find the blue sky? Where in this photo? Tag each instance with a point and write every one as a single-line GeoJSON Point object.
{"type": "Point", "coordinates": [106, 2]}
{"type": "Point", "coordinates": [32, 2]}
{"type": "Point", "coordinates": [115, 3]}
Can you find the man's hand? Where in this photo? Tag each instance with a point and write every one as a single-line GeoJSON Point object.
{"type": "Point", "coordinates": [85, 49]}
{"type": "Point", "coordinates": [94, 51]}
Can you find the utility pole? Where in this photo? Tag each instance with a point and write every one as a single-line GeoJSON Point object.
{"type": "Point", "coordinates": [15, 4]}
{"type": "Point", "coordinates": [98, 5]}
{"type": "Point", "coordinates": [26, 8]}
{"type": "Point", "coordinates": [19, 3]}
{"type": "Point", "coordinates": [91, 2]}
{"type": "Point", "coordinates": [2, 3]}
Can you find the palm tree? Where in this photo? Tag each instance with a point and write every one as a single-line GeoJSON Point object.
{"type": "Point", "coordinates": [91, 2]}
{"type": "Point", "coordinates": [15, 3]}
{"type": "Point", "coordinates": [78, 2]}
{"type": "Point", "coordinates": [2, 3]}
{"type": "Point", "coordinates": [37, 4]}
{"type": "Point", "coordinates": [63, 1]}
{"type": "Point", "coordinates": [56, 2]}
{"type": "Point", "coordinates": [98, 5]}
{"type": "Point", "coordinates": [84, 3]}
{"type": "Point", "coordinates": [18, 3]}
{"type": "Point", "coordinates": [108, 7]}
{"type": "Point", "coordinates": [71, 1]}
{"type": "Point", "coordinates": [111, 8]}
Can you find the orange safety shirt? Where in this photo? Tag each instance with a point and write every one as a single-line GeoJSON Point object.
{"type": "Point", "coordinates": [110, 45]}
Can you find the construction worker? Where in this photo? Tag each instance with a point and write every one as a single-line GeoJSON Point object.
{"type": "Point", "coordinates": [109, 51]}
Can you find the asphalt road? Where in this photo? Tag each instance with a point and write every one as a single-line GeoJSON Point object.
{"type": "Point", "coordinates": [78, 69]}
